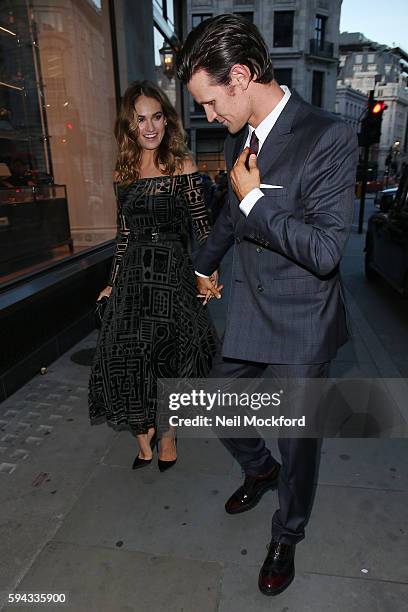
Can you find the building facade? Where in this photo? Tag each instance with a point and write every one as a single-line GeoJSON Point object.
{"type": "Point", "coordinates": [302, 36]}
{"type": "Point", "coordinates": [64, 66]}
{"type": "Point", "coordinates": [350, 105]}
{"type": "Point", "coordinates": [366, 65]}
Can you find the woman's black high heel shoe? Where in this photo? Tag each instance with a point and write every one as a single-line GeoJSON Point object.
{"type": "Point", "coordinates": [165, 465]}
{"type": "Point", "coordinates": [141, 463]}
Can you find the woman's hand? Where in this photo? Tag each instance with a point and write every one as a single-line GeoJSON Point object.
{"type": "Point", "coordinates": [105, 292]}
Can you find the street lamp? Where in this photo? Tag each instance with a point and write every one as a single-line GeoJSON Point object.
{"type": "Point", "coordinates": [167, 60]}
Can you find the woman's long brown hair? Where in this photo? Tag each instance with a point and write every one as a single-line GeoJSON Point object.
{"type": "Point", "coordinates": [172, 150]}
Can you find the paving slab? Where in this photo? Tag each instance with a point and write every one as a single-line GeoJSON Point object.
{"type": "Point", "coordinates": [97, 579]}
{"type": "Point", "coordinates": [378, 464]}
{"type": "Point", "coordinates": [352, 528]}
{"type": "Point", "coordinates": [47, 452]}
{"type": "Point", "coordinates": [191, 522]}
{"type": "Point", "coordinates": [310, 592]}
{"type": "Point", "coordinates": [195, 456]}
{"type": "Point", "coordinates": [165, 514]}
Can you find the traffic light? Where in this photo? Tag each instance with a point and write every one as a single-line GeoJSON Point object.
{"type": "Point", "coordinates": [370, 132]}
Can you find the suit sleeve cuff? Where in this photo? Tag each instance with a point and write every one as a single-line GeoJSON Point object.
{"type": "Point", "coordinates": [202, 275]}
{"type": "Point", "coordinates": [250, 200]}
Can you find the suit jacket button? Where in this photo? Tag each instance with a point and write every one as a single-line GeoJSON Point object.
{"type": "Point", "coordinates": [259, 249]}
{"type": "Point", "coordinates": [237, 240]}
{"type": "Point", "coordinates": [260, 288]}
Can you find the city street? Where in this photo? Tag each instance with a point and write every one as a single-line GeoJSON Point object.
{"type": "Point", "coordinates": [76, 520]}
{"type": "Point", "coordinates": [121, 124]}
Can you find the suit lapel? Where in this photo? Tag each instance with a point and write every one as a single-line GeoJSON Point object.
{"type": "Point", "coordinates": [239, 145]}
{"type": "Point", "coordinates": [273, 147]}
{"type": "Point", "coordinates": [280, 135]}
{"type": "Point", "coordinates": [272, 150]}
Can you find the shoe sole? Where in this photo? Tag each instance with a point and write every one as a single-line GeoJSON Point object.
{"type": "Point", "coordinates": [254, 502]}
{"type": "Point", "coordinates": [279, 590]}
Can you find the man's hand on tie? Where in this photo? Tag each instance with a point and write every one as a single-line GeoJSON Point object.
{"type": "Point", "coordinates": [243, 180]}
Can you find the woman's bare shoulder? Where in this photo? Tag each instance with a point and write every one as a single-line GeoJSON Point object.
{"type": "Point", "coordinates": [189, 166]}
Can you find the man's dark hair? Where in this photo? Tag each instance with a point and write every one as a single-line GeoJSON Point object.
{"type": "Point", "coordinates": [218, 43]}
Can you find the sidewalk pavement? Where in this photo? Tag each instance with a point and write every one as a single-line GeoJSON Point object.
{"type": "Point", "coordinates": [75, 518]}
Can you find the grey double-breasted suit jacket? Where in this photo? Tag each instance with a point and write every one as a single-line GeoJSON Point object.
{"type": "Point", "coordinates": [286, 303]}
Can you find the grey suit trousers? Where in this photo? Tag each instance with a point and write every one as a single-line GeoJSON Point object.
{"type": "Point", "coordinates": [300, 456]}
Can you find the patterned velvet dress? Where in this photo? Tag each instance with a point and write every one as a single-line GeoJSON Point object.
{"type": "Point", "coordinates": [154, 326]}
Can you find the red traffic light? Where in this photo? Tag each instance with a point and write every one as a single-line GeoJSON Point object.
{"type": "Point", "coordinates": [69, 125]}
{"type": "Point", "coordinates": [378, 107]}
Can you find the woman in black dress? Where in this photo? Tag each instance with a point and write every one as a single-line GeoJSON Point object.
{"type": "Point", "coordinates": [154, 326]}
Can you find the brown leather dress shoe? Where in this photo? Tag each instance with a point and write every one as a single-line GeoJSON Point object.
{"type": "Point", "coordinates": [278, 569]}
{"type": "Point", "coordinates": [251, 491]}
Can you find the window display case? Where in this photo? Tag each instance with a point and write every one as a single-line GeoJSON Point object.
{"type": "Point", "coordinates": [33, 221]}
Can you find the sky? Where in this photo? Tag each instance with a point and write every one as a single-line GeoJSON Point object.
{"type": "Point", "coordinates": [384, 21]}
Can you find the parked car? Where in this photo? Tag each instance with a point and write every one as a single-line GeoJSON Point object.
{"type": "Point", "coordinates": [386, 248]}
{"type": "Point", "coordinates": [385, 198]}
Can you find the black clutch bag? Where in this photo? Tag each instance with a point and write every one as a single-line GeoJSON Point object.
{"type": "Point", "coordinates": [100, 310]}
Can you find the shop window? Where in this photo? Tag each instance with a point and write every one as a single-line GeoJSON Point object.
{"type": "Point", "coordinates": [57, 147]}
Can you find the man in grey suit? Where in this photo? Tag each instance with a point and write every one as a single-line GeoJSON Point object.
{"type": "Point", "coordinates": [291, 173]}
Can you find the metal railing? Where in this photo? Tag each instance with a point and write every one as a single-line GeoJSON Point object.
{"type": "Point", "coordinates": [321, 48]}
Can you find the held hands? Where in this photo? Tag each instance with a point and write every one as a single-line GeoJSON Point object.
{"type": "Point", "coordinates": [242, 179]}
{"type": "Point", "coordinates": [208, 288]}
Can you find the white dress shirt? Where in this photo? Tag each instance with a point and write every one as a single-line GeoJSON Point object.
{"type": "Point", "coordinates": [262, 132]}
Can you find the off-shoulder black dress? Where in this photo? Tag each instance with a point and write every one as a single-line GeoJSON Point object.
{"type": "Point", "coordinates": [154, 326]}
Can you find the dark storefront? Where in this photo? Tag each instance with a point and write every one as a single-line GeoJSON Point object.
{"type": "Point", "coordinates": [63, 68]}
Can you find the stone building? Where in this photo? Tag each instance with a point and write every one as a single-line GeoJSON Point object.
{"type": "Point", "coordinates": [366, 65]}
{"type": "Point", "coordinates": [302, 36]}
{"type": "Point", "coordinates": [350, 105]}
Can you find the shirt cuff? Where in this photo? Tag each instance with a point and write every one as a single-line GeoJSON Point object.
{"type": "Point", "coordinates": [250, 200]}
{"type": "Point", "coordinates": [202, 275]}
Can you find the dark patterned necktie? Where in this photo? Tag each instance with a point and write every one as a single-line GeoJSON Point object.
{"type": "Point", "coordinates": [253, 148]}
{"type": "Point", "coordinates": [254, 144]}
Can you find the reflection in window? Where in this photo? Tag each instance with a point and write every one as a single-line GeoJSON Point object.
{"type": "Point", "coordinates": [58, 155]}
